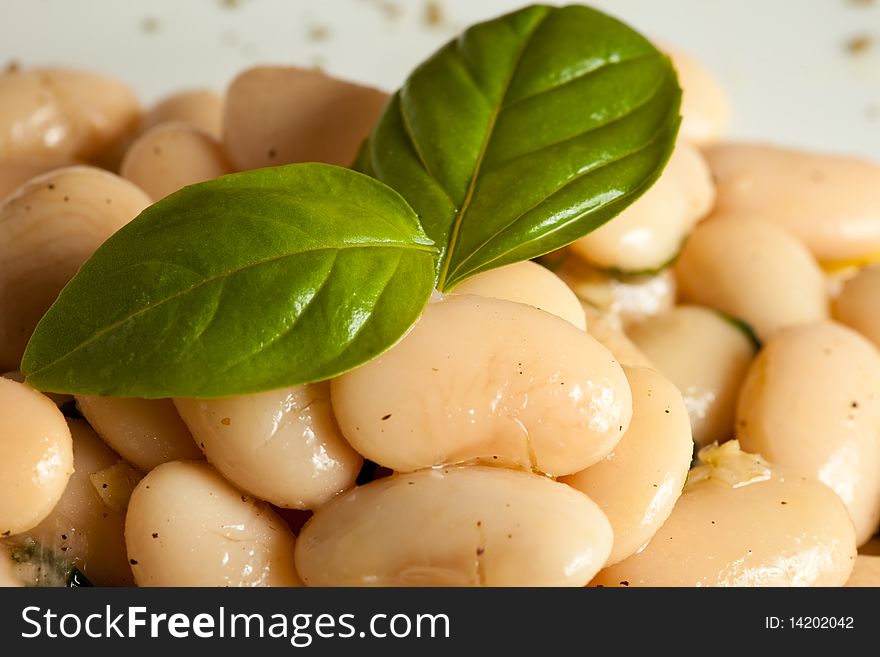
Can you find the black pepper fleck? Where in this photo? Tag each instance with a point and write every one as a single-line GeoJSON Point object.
{"type": "Point", "coordinates": [272, 154]}
{"type": "Point", "coordinates": [63, 537]}
{"type": "Point", "coordinates": [51, 185]}
{"type": "Point", "coordinates": [480, 551]}
{"type": "Point", "coordinates": [385, 417]}
{"type": "Point", "coordinates": [133, 562]}
{"type": "Point", "coordinates": [155, 534]}
{"type": "Point", "coordinates": [624, 582]}
{"type": "Point", "coordinates": [103, 485]}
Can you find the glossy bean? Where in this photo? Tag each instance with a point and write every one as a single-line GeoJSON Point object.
{"type": "Point", "coordinates": [145, 432]}
{"type": "Point", "coordinates": [753, 271]}
{"type": "Point", "coordinates": [187, 526]}
{"type": "Point", "coordinates": [529, 283]}
{"type": "Point", "coordinates": [637, 485]}
{"type": "Point", "coordinates": [810, 403]}
{"type": "Point", "coordinates": [37, 457]}
{"type": "Point", "coordinates": [742, 522]}
{"type": "Point", "coordinates": [467, 526]}
{"type": "Point", "coordinates": [486, 380]}
{"type": "Point", "coordinates": [283, 446]}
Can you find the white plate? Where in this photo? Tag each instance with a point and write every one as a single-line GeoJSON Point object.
{"type": "Point", "coordinates": [795, 71]}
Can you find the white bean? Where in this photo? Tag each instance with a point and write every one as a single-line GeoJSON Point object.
{"type": "Point", "coordinates": [63, 112]}
{"type": "Point", "coordinates": [753, 271]}
{"type": "Point", "coordinates": [486, 380]}
{"type": "Point", "coordinates": [828, 203]}
{"type": "Point", "coordinates": [706, 357]}
{"type": "Point", "coordinates": [741, 522]}
{"type": "Point", "coordinates": [283, 446]}
{"type": "Point", "coordinates": [464, 526]}
{"type": "Point", "coordinates": [811, 403]}
{"type": "Point", "coordinates": [172, 156]}
{"type": "Point", "coordinates": [145, 432]}
{"type": "Point", "coordinates": [187, 526]}
{"type": "Point", "coordinates": [278, 115]}
{"type": "Point", "coordinates": [48, 229]}
{"type": "Point", "coordinates": [529, 283]}
{"type": "Point", "coordinates": [858, 304]}
{"type": "Point", "coordinates": [83, 528]}
{"type": "Point", "coordinates": [637, 485]}
{"type": "Point", "coordinates": [37, 457]}
{"type": "Point", "coordinates": [201, 108]}
{"type": "Point", "coordinates": [648, 234]}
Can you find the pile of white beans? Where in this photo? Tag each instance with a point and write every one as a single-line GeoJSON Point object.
{"type": "Point", "coordinates": [536, 427]}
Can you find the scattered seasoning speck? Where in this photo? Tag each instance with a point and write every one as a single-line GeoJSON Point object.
{"type": "Point", "coordinates": [157, 150]}
{"type": "Point", "coordinates": [318, 33]}
{"type": "Point", "coordinates": [391, 10]}
{"type": "Point", "coordinates": [272, 154]}
{"type": "Point", "coordinates": [858, 44]}
{"type": "Point", "coordinates": [433, 13]}
{"type": "Point", "coordinates": [103, 485]}
{"type": "Point", "coordinates": [510, 536]}
{"type": "Point", "coordinates": [783, 502]}
{"type": "Point", "coordinates": [108, 201]}
{"type": "Point", "coordinates": [133, 562]}
{"type": "Point", "coordinates": [155, 534]}
{"type": "Point", "coordinates": [243, 498]}
{"type": "Point", "coordinates": [386, 416]}
{"type": "Point", "coordinates": [8, 532]}
{"type": "Point", "coordinates": [65, 548]}
{"type": "Point", "coordinates": [666, 411]}
{"type": "Point", "coordinates": [226, 421]}
{"type": "Point", "coordinates": [624, 582]}
{"type": "Point", "coordinates": [63, 537]}
{"type": "Point", "coordinates": [855, 404]}
{"type": "Point", "coordinates": [150, 24]}
{"type": "Point", "coordinates": [479, 523]}
{"type": "Point", "coordinates": [51, 185]}
{"type": "Point", "coordinates": [202, 445]}
{"type": "Point", "coordinates": [480, 551]}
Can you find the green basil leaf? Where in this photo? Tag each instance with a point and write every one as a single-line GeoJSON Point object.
{"type": "Point", "coordinates": [526, 133]}
{"type": "Point", "coordinates": [253, 281]}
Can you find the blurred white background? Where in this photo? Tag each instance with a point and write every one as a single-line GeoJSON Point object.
{"type": "Point", "coordinates": [798, 72]}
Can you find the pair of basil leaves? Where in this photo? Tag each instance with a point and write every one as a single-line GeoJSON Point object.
{"type": "Point", "coordinates": [517, 138]}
